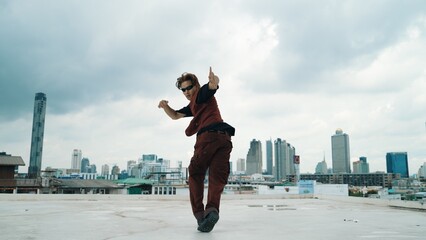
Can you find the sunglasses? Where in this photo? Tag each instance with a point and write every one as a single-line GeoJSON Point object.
{"type": "Point", "coordinates": [187, 88]}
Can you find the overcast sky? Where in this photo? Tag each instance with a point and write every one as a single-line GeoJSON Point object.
{"type": "Point", "coordinates": [295, 70]}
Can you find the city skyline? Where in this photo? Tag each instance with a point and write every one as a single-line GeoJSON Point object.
{"type": "Point", "coordinates": [295, 70]}
{"type": "Point", "coordinates": [282, 153]}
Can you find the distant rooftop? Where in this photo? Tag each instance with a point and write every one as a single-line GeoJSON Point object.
{"type": "Point", "coordinates": [9, 160]}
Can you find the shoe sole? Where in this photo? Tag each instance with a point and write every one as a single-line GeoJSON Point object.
{"type": "Point", "coordinates": [208, 224]}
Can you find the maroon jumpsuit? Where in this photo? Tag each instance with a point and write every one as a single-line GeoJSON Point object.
{"type": "Point", "coordinates": [211, 151]}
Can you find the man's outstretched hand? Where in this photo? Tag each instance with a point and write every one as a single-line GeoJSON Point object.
{"type": "Point", "coordinates": [163, 104]}
{"type": "Point", "coordinates": [213, 80]}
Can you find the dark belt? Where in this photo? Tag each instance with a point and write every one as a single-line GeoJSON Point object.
{"type": "Point", "coordinates": [218, 132]}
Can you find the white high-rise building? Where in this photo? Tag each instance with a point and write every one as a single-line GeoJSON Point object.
{"type": "Point", "coordinates": [105, 170]}
{"type": "Point", "coordinates": [241, 165]}
{"type": "Point", "coordinates": [76, 159]}
{"type": "Point", "coordinates": [130, 165]}
{"type": "Point", "coordinates": [254, 158]}
{"type": "Point", "coordinates": [340, 152]}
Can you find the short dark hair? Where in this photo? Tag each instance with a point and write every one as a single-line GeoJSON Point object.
{"type": "Point", "coordinates": [187, 77]}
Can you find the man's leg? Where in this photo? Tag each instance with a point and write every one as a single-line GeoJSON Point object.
{"type": "Point", "coordinates": [197, 172]}
{"type": "Point", "coordinates": [218, 173]}
{"type": "Point", "coordinates": [218, 177]}
{"type": "Point", "coordinates": [196, 191]}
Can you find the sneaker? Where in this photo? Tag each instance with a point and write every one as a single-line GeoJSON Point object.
{"type": "Point", "coordinates": [199, 221]}
{"type": "Point", "coordinates": [208, 223]}
{"type": "Point", "coordinates": [199, 216]}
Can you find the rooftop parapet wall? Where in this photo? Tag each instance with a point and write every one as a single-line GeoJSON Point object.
{"type": "Point", "coordinates": [416, 205]}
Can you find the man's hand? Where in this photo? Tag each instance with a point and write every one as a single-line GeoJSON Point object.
{"type": "Point", "coordinates": [163, 104]}
{"type": "Point", "coordinates": [213, 80]}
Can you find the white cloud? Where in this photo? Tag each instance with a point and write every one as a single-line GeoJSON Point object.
{"type": "Point", "coordinates": [286, 71]}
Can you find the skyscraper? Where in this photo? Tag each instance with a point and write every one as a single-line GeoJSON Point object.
{"type": "Point", "coordinates": [105, 170]}
{"type": "Point", "coordinates": [280, 152]}
{"type": "Point", "coordinates": [85, 165]}
{"type": "Point", "coordinates": [340, 152]}
{"type": "Point", "coordinates": [115, 170]}
{"type": "Point", "coordinates": [321, 167]}
{"type": "Point", "coordinates": [397, 162]}
{"type": "Point", "coordinates": [76, 159]}
{"type": "Point", "coordinates": [254, 158]}
{"type": "Point", "coordinates": [361, 166]}
{"type": "Point", "coordinates": [284, 159]}
{"type": "Point", "coordinates": [92, 169]}
{"type": "Point", "coordinates": [269, 157]}
{"type": "Point", "coordinates": [241, 165]}
{"type": "Point", "coordinates": [37, 135]}
{"type": "Point", "coordinates": [291, 158]}
{"type": "Point", "coordinates": [130, 165]}
{"type": "Point", "coordinates": [422, 171]}
{"type": "Point", "coordinates": [149, 157]}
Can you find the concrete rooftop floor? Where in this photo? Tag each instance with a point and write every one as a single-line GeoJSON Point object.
{"type": "Point", "coordinates": [245, 217]}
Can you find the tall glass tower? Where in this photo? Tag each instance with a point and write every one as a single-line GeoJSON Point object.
{"type": "Point", "coordinates": [340, 152]}
{"type": "Point", "coordinates": [397, 162]}
{"type": "Point", "coordinates": [85, 165]}
{"type": "Point", "coordinates": [37, 135]}
{"type": "Point", "coordinates": [284, 159]}
{"type": "Point", "coordinates": [269, 157]}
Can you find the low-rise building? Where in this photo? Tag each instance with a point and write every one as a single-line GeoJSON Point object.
{"type": "Point", "coordinates": [362, 179]}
